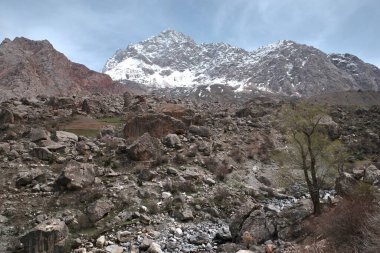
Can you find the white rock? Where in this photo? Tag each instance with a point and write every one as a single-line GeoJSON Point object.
{"type": "Point", "coordinates": [114, 249]}
{"type": "Point", "coordinates": [166, 195]}
{"type": "Point", "coordinates": [178, 232]}
{"type": "Point", "coordinates": [154, 248]}
{"type": "Point", "coordinates": [100, 241]}
{"type": "Point", "coordinates": [66, 136]}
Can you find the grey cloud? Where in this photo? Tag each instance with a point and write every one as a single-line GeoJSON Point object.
{"type": "Point", "coordinates": [90, 31]}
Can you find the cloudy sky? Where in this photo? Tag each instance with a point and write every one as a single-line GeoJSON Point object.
{"type": "Point", "coordinates": [89, 31]}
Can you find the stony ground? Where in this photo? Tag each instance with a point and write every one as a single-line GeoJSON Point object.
{"type": "Point", "coordinates": [147, 174]}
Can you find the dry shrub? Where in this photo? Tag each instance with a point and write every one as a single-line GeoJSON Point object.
{"type": "Point", "coordinates": [180, 159]}
{"type": "Point", "coordinates": [180, 186]}
{"type": "Point", "coordinates": [237, 155]}
{"type": "Point", "coordinates": [152, 206]}
{"type": "Point", "coordinates": [350, 226]}
{"type": "Point", "coordinates": [220, 169]}
{"type": "Point", "coordinates": [247, 239]}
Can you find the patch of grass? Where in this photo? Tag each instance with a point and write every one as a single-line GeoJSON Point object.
{"type": "Point", "coordinates": [90, 127]}
{"type": "Point", "coordinates": [83, 132]}
{"type": "Point", "coordinates": [88, 232]}
{"type": "Point", "coordinates": [117, 121]}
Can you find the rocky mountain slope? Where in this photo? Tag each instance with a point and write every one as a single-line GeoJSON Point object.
{"type": "Point", "coordinates": [29, 68]}
{"type": "Point", "coordinates": [172, 59]}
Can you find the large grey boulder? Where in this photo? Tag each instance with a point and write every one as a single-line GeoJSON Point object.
{"type": "Point", "coordinates": [154, 248]}
{"type": "Point", "coordinates": [64, 136]}
{"type": "Point", "coordinates": [42, 153]}
{"type": "Point", "coordinates": [26, 177]}
{"type": "Point", "coordinates": [38, 134]}
{"type": "Point", "coordinates": [98, 209]}
{"type": "Point", "coordinates": [371, 175]}
{"type": "Point", "coordinates": [171, 141]}
{"type": "Point", "coordinates": [145, 148]}
{"type": "Point", "coordinates": [51, 236]}
{"type": "Point", "coordinates": [76, 175]}
{"type": "Point", "coordinates": [253, 219]}
{"type": "Point", "coordinates": [200, 131]}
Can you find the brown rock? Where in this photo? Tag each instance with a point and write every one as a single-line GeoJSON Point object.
{"type": "Point", "coordinates": [30, 68]}
{"type": "Point", "coordinates": [157, 125]}
{"type": "Point", "coordinates": [178, 111]}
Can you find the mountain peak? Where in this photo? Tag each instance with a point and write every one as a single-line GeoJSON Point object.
{"type": "Point", "coordinates": [170, 36]}
{"type": "Point", "coordinates": [172, 59]}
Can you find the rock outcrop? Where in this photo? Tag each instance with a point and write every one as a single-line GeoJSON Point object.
{"type": "Point", "coordinates": [31, 68]}
{"type": "Point", "coordinates": [51, 236]}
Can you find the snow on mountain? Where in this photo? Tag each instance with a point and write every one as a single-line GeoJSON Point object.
{"type": "Point", "coordinates": [172, 59]}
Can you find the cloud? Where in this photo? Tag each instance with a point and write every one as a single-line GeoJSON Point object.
{"type": "Point", "coordinates": [90, 31]}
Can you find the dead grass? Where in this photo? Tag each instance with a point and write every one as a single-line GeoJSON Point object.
{"type": "Point", "coordinates": [89, 127]}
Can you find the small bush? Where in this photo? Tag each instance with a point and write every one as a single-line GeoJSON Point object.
{"type": "Point", "coordinates": [247, 239]}
{"type": "Point", "coordinates": [237, 155]}
{"type": "Point", "coordinates": [180, 186]}
{"type": "Point", "coordinates": [348, 228]}
{"type": "Point", "coordinates": [220, 169]}
{"type": "Point", "coordinates": [152, 206]}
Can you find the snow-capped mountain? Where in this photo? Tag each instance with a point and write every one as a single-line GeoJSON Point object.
{"type": "Point", "coordinates": [172, 59]}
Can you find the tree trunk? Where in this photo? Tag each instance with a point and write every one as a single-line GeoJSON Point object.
{"type": "Point", "coordinates": [314, 193]}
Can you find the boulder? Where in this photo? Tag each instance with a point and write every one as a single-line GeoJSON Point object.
{"type": "Point", "coordinates": [178, 111]}
{"type": "Point", "coordinates": [200, 131]}
{"type": "Point", "coordinates": [114, 249]}
{"type": "Point", "coordinates": [259, 225]}
{"type": "Point", "coordinates": [371, 175]}
{"type": "Point", "coordinates": [252, 219]}
{"type": "Point", "coordinates": [42, 153]}
{"type": "Point", "coordinates": [171, 141]}
{"type": "Point", "coordinates": [38, 134]}
{"type": "Point", "coordinates": [100, 241]}
{"type": "Point", "coordinates": [345, 184]}
{"type": "Point", "coordinates": [25, 178]}
{"type": "Point", "coordinates": [154, 248]}
{"type": "Point", "coordinates": [156, 124]}
{"type": "Point", "coordinates": [6, 117]}
{"type": "Point", "coordinates": [5, 147]}
{"type": "Point", "coordinates": [127, 97]}
{"type": "Point", "coordinates": [51, 236]}
{"type": "Point", "coordinates": [61, 102]}
{"type": "Point", "coordinates": [223, 234]}
{"type": "Point", "coordinates": [145, 148]}
{"type": "Point", "coordinates": [186, 215]}
{"type": "Point", "coordinates": [76, 175]}
{"type": "Point", "coordinates": [98, 209]}
{"type": "Point", "coordinates": [108, 130]}
{"type": "Point", "coordinates": [63, 136]}
{"type": "Point", "coordinates": [145, 244]}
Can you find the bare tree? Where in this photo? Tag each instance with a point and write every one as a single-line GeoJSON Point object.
{"type": "Point", "coordinates": [308, 145]}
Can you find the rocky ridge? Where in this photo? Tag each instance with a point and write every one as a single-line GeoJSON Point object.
{"type": "Point", "coordinates": [172, 59]}
{"type": "Point", "coordinates": [30, 68]}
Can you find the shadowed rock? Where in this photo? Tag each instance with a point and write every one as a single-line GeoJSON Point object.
{"type": "Point", "coordinates": [76, 176]}
{"type": "Point", "coordinates": [51, 236]}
